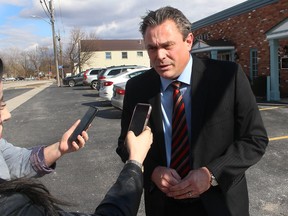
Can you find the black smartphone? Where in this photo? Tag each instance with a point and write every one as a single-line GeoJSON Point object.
{"type": "Point", "coordinates": [140, 118]}
{"type": "Point", "coordinates": [84, 123]}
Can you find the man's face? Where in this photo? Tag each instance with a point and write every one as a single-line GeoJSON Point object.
{"type": "Point", "coordinates": [168, 52]}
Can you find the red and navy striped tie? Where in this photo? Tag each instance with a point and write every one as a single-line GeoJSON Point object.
{"type": "Point", "coordinates": [180, 141]}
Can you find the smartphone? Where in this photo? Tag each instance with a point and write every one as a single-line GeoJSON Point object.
{"type": "Point", "coordinates": [84, 123]}
{"type": "Point", "coordinates": [140, 118]}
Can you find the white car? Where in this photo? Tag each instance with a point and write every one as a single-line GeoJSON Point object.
{"type": "Point", "coordinates": [106, 85]}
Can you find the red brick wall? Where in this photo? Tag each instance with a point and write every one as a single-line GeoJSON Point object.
{"type": "Point", "coordinates": [248, 31]}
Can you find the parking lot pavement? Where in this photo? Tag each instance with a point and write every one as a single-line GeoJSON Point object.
{"type": "Point", "coordinates": [268, 179]}
{"type": "Point", "coordinates": [84, 177]}
{"type": "Point", "coordinates": [35, 87]}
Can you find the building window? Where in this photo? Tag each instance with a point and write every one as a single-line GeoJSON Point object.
{"type": "Point", "coordinates": [253, 64]}
{"type": "Point", "coordinates": [124, 55]}
{"type": "Point", "coordinates": [140, 54]}
{"type": "Point", "coordinates": [108, 55]}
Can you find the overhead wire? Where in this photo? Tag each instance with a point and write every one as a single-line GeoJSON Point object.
{"type": "Point", "coordinates": [47, 10]}
{"type": "Point", "coordinates": [61, 17]}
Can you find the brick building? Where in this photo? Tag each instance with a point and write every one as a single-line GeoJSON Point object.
{"type": "Point", "coordinates": [254, 34]}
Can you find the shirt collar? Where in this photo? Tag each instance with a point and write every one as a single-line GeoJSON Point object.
{"type": "Point", "coordinates": [184, 77]}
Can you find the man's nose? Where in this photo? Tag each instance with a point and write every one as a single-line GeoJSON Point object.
{"type": "Point", "coordinates": [161, 53]}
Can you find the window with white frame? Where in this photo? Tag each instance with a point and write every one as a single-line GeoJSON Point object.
{"type": "Point", "coordinates": [253, 63]}
{"type": "Point", "coordinates": [108, 55]}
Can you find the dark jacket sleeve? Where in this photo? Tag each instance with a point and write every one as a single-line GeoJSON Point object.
{"type": "Point", "coordinates": [244, 141]}
{"type": "Point", "coordinates": [124, 196]}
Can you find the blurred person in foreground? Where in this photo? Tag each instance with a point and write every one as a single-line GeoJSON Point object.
{"type": "Point", "coordinates": [17, 162]}
{"type": "Point", "coordinates": [27, 196]}
{"type": "Point", "coordinates": [221, 135]}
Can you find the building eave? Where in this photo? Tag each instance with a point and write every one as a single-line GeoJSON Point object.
{"type": "Point", "coordinates": [241, 8]}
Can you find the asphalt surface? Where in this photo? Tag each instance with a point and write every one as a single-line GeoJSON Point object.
{"type": "Point", "coordinates": [84, 177]}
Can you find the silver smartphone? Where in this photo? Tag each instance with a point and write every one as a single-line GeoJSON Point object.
{"type": "Point", "coordinates": [84, 123]}
{"type": "Point", "coordinates": [140, 118]}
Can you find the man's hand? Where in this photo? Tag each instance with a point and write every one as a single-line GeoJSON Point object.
{"type": "Point", "coordinates": [192, 186]}
{"type": "Point", "coordinates": [165, 178]}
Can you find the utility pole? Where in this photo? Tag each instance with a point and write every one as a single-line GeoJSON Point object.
{"type": "Point", "coordinates": [79, 55]}
{"type": "Point", "coordinates": [52, 20]}
{"type": "Point", "coordinates": [61, 55]}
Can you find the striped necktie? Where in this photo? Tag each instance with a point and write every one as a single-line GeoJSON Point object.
{"type": "Point", "coordinates": [180, 141]}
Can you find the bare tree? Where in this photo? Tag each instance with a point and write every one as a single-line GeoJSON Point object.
{"type": "Point", "coordinates": [28, 63]}
{"type": "Point", "coordinates": [12, 62]}
{"type": "Point", "coordinates": [76, 52]}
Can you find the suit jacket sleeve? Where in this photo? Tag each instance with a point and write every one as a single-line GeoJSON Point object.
{"type": "Point", "coordinates": [124, 196]}
{"type": "Point", "coordinates": [242, 135]}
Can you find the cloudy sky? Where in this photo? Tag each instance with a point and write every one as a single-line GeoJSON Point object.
{"type": "Point", "coordinates": [24, 23]}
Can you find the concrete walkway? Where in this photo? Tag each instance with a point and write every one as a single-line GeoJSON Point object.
{"type": "Point", "coordinates": [37, 86]}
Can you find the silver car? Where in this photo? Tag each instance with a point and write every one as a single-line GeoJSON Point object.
{"type": "Point", "coordinates": [91, 77]}
{"type": "Point", "coordinates": [118, 95]}
{"type": "Point", "coordinates": [113, 71]}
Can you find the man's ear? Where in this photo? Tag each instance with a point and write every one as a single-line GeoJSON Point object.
{"type": "Point", "coordinates": [189, 41]}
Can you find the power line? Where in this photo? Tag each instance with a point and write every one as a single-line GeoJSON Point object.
{"type": "Point", "coordinates": [47, 10]}
{"type": "Point", "coordinates": [61, 17]}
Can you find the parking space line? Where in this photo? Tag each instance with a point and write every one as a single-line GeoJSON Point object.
{"type": "Point", "coordinates": [20, 99]}
{"type": "Point", "coordinates": [278, 138]}
{"type": "Point", "coordinates": [268, 108]}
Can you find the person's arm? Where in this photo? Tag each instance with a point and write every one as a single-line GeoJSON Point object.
{"type": "Point", "coordinates": [16, 161]}
{"type": "Point", "coordinates": [124, 196]}
{"type": "Point", "coordinates": [250, 135]}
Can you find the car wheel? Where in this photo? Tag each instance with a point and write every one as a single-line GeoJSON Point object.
{"type": "Point", "coordinates": [94, 84]}
{"type": "Point", "coordinates": [71, 83]}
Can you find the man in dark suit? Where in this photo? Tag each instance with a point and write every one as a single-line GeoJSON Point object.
{"type": "Point", "coordinates": [225, 130]}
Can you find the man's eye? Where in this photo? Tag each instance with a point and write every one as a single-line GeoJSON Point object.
{"type": "Point", "coordinates": [2, 106]}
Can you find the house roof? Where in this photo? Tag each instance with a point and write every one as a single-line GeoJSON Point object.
{"type": "Point", "coordinates": [209, 45]}
{"type": "Point", "coordinates": [113, 45]}
{"type": "Point", "coordinates": [279, 31]}
{"type": "Point", "coordinates": [236, 10]}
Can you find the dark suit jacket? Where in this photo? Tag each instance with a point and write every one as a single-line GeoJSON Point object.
{"type": "Point", "coordinates": [228, 135]}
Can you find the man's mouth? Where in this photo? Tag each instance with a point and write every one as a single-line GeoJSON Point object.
{"type": "Point", "coordinates": [164, 66]}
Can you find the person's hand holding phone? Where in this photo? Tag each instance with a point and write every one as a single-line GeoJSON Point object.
{"type": "Point", "coordinates": [138, 146]}
{"type": "Point", "coordinates": [72, 140]}
{"type": "Point", "coordinates": [53, 152]}
{"type": "Point", "coordinates": [67, 146]}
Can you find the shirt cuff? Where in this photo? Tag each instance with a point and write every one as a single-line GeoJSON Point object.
{"type": "Point", "coordinates": [38, 161]}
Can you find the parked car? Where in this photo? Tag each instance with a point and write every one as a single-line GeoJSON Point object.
{"type": "Point", "coordinates": [9, 79]}
{"type": "Point", "coordinates": [118, 95]}
{"type": "Point", "coordinates": [18, 78]}
{"type": "Point", "coordinates": [113, 71]}
{"type": "Point", "coordinates": [106, 85]}
{"type": "Point", "coordinates": [91, 77]}
{"type": "Point", "coordinates": [74, 80]}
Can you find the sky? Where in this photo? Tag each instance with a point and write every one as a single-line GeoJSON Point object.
{"type": "Point", "coordinates": [25, 24]}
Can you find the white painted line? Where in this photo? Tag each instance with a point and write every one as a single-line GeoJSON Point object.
{"type": "Point", "coordinates": [17, 101]}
